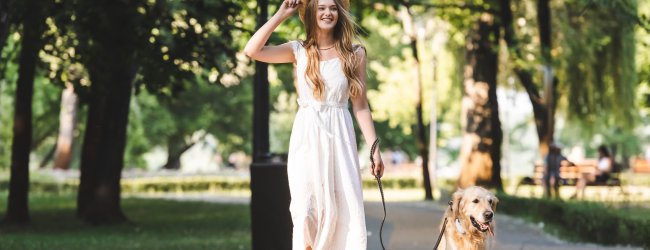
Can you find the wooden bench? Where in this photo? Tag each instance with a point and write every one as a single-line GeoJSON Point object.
{"type": "Point", "coordinates": [569, 175]}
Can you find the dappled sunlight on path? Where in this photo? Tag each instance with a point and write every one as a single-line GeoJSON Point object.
{"type": "Point", "coordinates": [416, 225]}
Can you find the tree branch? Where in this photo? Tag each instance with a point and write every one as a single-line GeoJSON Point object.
{"type": "Point", "coordinates": [462, 6]}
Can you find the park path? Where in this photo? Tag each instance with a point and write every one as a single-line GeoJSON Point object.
{"type": "Point", "coordinates": [415, 226]}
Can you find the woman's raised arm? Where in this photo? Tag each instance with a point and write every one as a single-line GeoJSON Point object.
{"type": "Point", "coordinates": [255, 48]}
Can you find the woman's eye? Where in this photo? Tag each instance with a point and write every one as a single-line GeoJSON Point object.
{"type": "Point", "coordinates": [475, 201]}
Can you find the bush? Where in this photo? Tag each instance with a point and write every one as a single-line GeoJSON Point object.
{"type": "Point", "coordinates": [584, 221]}
{"type": "Point", "coordinates": [189, 184]}
{"type": "Point", "coordinates": [393, 183]}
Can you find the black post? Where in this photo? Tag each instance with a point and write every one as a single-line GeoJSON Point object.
{"type": "Point", "coordinates": [261, 99]}
{"type": "Point", "coordinates": [270, 218]}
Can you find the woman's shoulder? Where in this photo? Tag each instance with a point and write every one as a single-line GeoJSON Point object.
{"type": "Point", "coordinates": [297, 46]}
{"type": "Point", "coordinates": [357, 48]}
{"type": "Point", "coordinates": [297, 43]}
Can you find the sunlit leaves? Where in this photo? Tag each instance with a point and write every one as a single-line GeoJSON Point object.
{"type": "Point", "coordinates": [596, 43]}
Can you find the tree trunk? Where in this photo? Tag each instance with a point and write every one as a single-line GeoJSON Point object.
{"type": "Point", "coordinates": [175, 149]}
{"type": "Point", "coordinates": [433, 131]}
{"type": "Point", "coordinates": [544, 26]}
{"type": "Point", "coordinates": [540, 108]}
{"type": "Point", "coordinates": [111, 64]}
{"type": "Point", "coordinates": [482, 136]}
{"type": "Point", "coordinates": [173, 161]}
{"type": "Point", "coordinates": [421, 138]}
{"type": "Point", "coordinates": [102, 156]}
{"type": "Point", "coordinates": [67, 122]}
{"type": "Point", "coordinates": [17, 207]}
{"type": "Point", "coordinates": [48, 157]}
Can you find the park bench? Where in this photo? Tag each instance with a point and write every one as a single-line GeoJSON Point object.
{"type": "Point", "coordinates": [569, 175]}
{"type": "Point", "coordinates": [640, 165]}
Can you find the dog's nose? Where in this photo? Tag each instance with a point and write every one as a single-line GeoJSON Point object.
{"type": "Point", "coordinates": [488, 215]}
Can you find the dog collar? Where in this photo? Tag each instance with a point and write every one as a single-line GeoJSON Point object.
{"type": "Point", "coordinates": [459, 227]}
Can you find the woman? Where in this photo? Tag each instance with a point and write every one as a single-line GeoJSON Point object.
{"type": "Point", "coordinates": [323, 168]}
{"type": "Point", "coordinates": [601, 174]}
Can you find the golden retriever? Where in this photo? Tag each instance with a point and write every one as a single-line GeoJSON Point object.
{"type": "Point", "coordinates": [470, 218]}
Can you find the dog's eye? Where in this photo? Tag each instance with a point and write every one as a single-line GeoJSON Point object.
{"type": "Point", "coordinates": [475, 201]}
{"type": "Point", "coordinates": [490, 201]}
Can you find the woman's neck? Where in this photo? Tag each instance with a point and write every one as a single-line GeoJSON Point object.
{"type": "Point", "coordinates": [325, 39]}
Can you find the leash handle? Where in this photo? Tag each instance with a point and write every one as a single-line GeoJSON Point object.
{"type": "Point", "coordinates": [373, 148]}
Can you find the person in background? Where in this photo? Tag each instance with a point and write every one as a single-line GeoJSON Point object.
{"type": "Point", "coordinates": [602, 173]}
{"type": "Point", "coordinates": [552, 163]}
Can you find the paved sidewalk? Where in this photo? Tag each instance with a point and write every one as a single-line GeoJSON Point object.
{"type": "Point", "coordinates": [416, 225]}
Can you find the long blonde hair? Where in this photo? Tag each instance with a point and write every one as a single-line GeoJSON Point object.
{"type": "Point", "coordinates": [345, 32]}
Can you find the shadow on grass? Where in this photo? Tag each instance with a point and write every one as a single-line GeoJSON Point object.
{"type": "Point", "coordinates": [154, 224]}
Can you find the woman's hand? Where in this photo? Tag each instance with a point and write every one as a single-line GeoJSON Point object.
{"type": "Point", "coordinates": [378, 171]}
{"type": "Point", "coordinates": [288, 7]}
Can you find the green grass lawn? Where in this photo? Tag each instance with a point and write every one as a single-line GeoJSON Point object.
{"type": "Point", "coordinates": [154, 224]}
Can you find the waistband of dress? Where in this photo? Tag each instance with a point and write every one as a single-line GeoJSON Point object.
{"type": "Point", "coordinates": [316, 104]}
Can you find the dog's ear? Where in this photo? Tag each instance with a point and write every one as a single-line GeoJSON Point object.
{"type": "Point", "coordinates": [456, 199]}
{"type": "Point", "coordinates": [495, 200]}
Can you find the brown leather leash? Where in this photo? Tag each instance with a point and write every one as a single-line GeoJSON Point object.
{"type": "Point", "coordinates": [442, 231]}
{"type": "Point", "coordinates": [381, 190]}
{"type": "Point", "coordinates": [373, 148]}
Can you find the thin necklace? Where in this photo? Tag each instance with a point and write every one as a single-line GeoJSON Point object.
{"type": "Point", "coordinates": [327, 48]}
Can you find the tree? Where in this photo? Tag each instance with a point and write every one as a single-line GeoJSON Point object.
{"type": "Point", "coordinates": [67, 124]}
{"type": "Point", "coordinates": [165, 44]}
{"type": "Point", "coordinates": [421, 138]}
{"type": "Point", "coordinates": [190, 50]}
{"type": "Point", "coordinates": [482, 135]}
{"type": "Point", "coordinates": [33, 21]}
{"type": "Point", "coordinates": [109, 35]}
{"type": "Point", "coordinates": [541, 110]}
{"type": "Point", "coordinates": [600, 91]}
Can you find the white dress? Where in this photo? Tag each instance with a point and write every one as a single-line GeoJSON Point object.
{"type": "Point", "coordinates": [323, 166]}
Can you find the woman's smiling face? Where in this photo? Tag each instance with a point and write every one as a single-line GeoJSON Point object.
{"type": "Point", "coordinates": [327, 14]}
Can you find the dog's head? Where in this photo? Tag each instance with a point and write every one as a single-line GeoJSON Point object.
{"type": "Point", "coordinates": [475, 206]}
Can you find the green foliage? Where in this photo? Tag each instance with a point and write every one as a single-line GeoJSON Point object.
{"type": "Point", "coordinates": [597, 72]}
{"type": "Point", "coordinates": [155, 224]}
{"type": "Point", "coordinates": [205, 108]}
{"type": "Point", "coordinates": [8, 78]}
{"type": "Point", "coordinates": [185, 40]}
{"type": "Point", "coordinates": [392, 94]}
{"type": "Point", "coordinates": [581, 221]}
{"type": "Point", "coordinates": [281, 121]}
{"type": "Point", "coordinates": [643, 64]}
